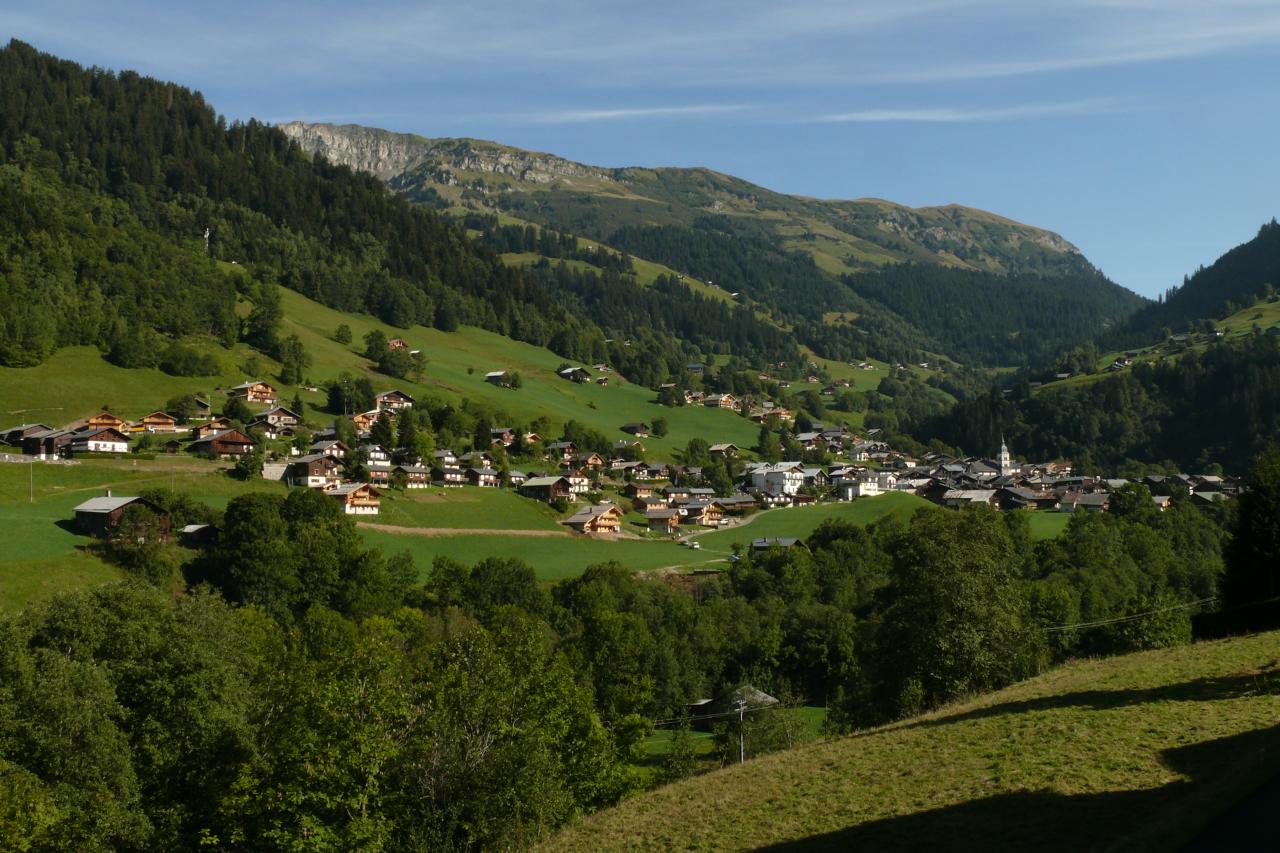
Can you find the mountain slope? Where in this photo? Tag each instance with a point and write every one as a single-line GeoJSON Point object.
{"type": "Point", "coordinates": [592, 201]}
{"type": "Point", "coordinates": [783, 255]}
{"type": "Point", "coordinates": [1133, 753]}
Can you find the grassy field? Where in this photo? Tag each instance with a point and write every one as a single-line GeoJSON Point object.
{"type": "Point", "coordinates": [1047, 525]}
{"type": "Point", "coordinates": [466, 508]}
{"type": "Point", "coordinates": [552, 557]}
{"type": "Point", "coordinates": [42, 555]}
{"type": "Point", "coordinates": [799, 522]}
{"type": "Point", "coordinates": [1132, 753]}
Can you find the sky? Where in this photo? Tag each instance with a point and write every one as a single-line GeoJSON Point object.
{"type": "Point", "coordinates": [1143, 131]}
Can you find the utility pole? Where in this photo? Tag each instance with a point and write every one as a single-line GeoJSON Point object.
{"type": "Point", "coordinates": [742, 749]}
{"type": "Point", "coordinates": [31, 480]}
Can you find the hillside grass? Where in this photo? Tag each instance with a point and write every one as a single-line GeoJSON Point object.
{"type": "Point", "coordinates": [466, 508]}
{"type": "Point", "coordinates": [552, 557]}
{"type": "Point", "coordinates": [1129, 753]}
{"type": "Point", "coordinates": [800, 522]}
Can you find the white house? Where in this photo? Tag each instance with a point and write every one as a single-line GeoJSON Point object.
{"type": "Point", "coordinates": [784, 478]}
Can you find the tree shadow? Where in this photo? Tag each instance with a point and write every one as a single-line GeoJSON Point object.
{"type": "Point", "coordinates": [1265, 680]}
{"type": "Point", "coordinates": [1223, 770]}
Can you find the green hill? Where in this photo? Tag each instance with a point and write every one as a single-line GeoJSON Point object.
{"type": "Point", "coordinates": [1129, 753]}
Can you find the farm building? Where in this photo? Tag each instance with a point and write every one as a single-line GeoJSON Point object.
{"type": "Point", "coordinates": [547, 489]}
{"type": "Point", "coordinates": [101, 516]}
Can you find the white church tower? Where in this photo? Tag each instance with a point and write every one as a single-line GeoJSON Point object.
{"type": "Point", "coordinates": [1006, 460]}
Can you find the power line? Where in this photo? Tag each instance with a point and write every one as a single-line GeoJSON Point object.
{"type": "Point", "coordinates": [1128, 618]}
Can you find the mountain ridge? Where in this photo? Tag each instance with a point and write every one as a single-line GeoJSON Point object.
{"type": "Point", "coordinates": [865, 232]}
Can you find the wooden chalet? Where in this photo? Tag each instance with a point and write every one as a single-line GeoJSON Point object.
{"type": "Point", "coordinates": [638, 490]}
{"type": "Point", "coordinates": [727, 450]}
{"type": "Point", "coordinates": [106, 420]}
{"type": "Point", "coordinates": [587, 461]}
{"type": "Point", "coordinates": [575, 374]}
{"type": "Point", "coordinates": [720, 401]}
{"type": "Point", "coordinates": [517, 478]}
{"type": "Point", "coordinates": [395, 400]}
{"type": "Point", "coordinates": [483, 477]}
{"type": "Point", "coordinates": [364, 421]}
{"type": "Point", "coordinates": [101, 516]}
{"type": "Point", "coordinates": [48, 444]}
{"type": "Point", "coordinates": [356, 498]}
{"type": "Point", "coordinates": [230, 442]}
{"type": "Point", "coordinates": [315, 471]}
{"type": "Point", "coordinates": [565, 450]}
{"type": "Point", "coordinates": [548, 489]}
{"type": "Point", "coordinates": [14, 435]}
{"type": "Point", "coordinates": [498, 377]}
{"type": "Point", "coordinates": [256, 392]}
{"type": "Point", "coordinates": [603, 518]}
{"type": "Point", "coordinates": [397, 343]}
{"type": "Point", "coordinates": [448, 475]}
{"type": "Point", "coordinates": [213, 427]}
{"type": "Point", "coordinates": [158, 422]}
{"type": "Point", "coordinates": [663, 520]}
{"type": "Point", "coordinates": [330, 447]}
{"type": "Point", "coordinates": [281, 417]}
{"type": "Point", "coordinates": [101, 440]}
{"type": "Point", "coordinates": [415, 476]}
{"type": "Point", "coordinates": [706, 513]}
{"type": "Point", "coordinates": [638, 429]}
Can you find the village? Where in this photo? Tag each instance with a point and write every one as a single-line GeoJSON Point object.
{"type": "Point", "coordinates": [594, 493]}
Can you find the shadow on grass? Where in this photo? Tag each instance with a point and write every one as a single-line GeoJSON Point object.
{"type": "Point", "coordinates": [1221, 772]}
{"type": "Point", "coordinates": [1263, 681]}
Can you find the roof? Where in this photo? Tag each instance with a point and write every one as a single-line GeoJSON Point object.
{"type": "Point", "coordinates": [348, 488]}
{"type": "Point", "coordinates": [543, 481]}
{"type": "Point", "coordinates": [587, 513]}
{"type": "Point", "coordinates": [772, 541]}
{"type": "Point", "coordinates": [105, 504]}
{"type": "Point", "coordinates": [656, 514]}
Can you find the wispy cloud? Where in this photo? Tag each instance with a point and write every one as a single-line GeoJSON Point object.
{"type": "Point", "coordinates": [625, 113]}
{"type": "Point", "coordinates": [1099, 106]}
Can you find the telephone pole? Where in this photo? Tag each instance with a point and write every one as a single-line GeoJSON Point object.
{"type": "Point", "coordinates": [742, 748]}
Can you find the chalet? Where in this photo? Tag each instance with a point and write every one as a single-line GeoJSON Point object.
{"type": "Point", "coordinates": [737, 504]}
{"type": "Point", "coordinates": [502, 435]}
{"type": "Point", "coordinates": [103, 440]}
{"type": "Point", "coordinates": [267, 429]}
{"type": "Point", "coordinates": [968, 497]}
{"type": "Point", "coordinates": [637, 490]}
{"type": "Point", "coordinates": [720, 401]}
{"type": "Point", "coordinates": [603, 518]}
{"type": "Point", "coordinates": [356, 498]}
{"type": "Point", "coordinates": [677, 493]}
{"type": "Point", "coordinates": [623, 446]}
{"type": "Point", "coordinates": [448, 475]}
{"type": "Point", "coordinates": [255, 392]}
{"type": "Point", "coordinates": [230, 442]}
{"type": "Point", "coordinates": [315, 471]}
{"type": "Point", "coordinates": [564, 449]}
{"type": "Point", "coordinates": [415, 476]}
{"type": "Point", "coordinates": [643, 505]}
{"type": "Point", "coordinates": [549, 489]}
{"type": "Point", "coordinates": [639, 430]}
{"type": "Point", "coordinates": [395, 400]}
{"type": "Point", "coordinates": [498, 377]}
{"type": "Point", "coordinates": [171, 446]}
{"type": "Point", "coordinates": [601, 368]}
{"type": "Point", "coordinates": [784, 478]}
{"type": "Point", "coordinates": [397, 343]}
{"type": "Point", "coordinates": [213, 427]}
{"type": "Point", "coordinates": [728, 451]}
{"type": "Point", "coordinates": [375, 453]}
{"type": "Point", "coordinates": [281, 417]}
{"type": "Point", "coordinates": [768, 542]}
{"type": "Point", "coordinates": [159, 422]}
{"type": "Point", "coordinates": [706, 513]}
{"type": "Point", "coordinates": [579, 483]}
{"type": "Point", "coordinates": [588, 461]}
{"type": "Point", "coordinates": [814, 476]}
{"type": "Point", "coordinates": [1019, 497]}
{"type": "Point", "coordinates": [203, 409]}
{"type": "Point", "coordinates": [15, 435]}
{"type": "Point", "coordinates": [197, 535]}
{"type": "Point", "coordinates": [101, 516]}
{"type": "Point", "coordinates": [364, 421]}
{"type": "Point", "coordinates": [330, 447]}
{"type": "Point", "coordinates": [48, 444]}
{"type": "Point", "coordinates": [602, 380]}
{"type": "Point", "coordinates": [1092, 502]}
{"type": "Point", "coordinates": [575, 374]}
{"type": "Point", "coordinates": [663, 520]}
{"type": "Point", "coordinates": [483, 477]}
{"type": "Point", "coordinates": [105, 420]}
{"type": "Point", "coordinates": [517, 478]}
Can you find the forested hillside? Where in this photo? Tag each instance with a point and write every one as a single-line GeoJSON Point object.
{"type": "Point", "coordinates": [138, 170]}
{"type": "Point", "coordinates": [782, 255]}
{"type": "Point", "coordinates": [1015, 319]}
{"type": "Point", "coordinates": [1233, 281]}
{"type": "Point", "coordinates": [1220, 405]}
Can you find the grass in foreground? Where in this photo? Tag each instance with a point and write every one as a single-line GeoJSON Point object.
{"type": "Point", "coordinates": [1137, 752]}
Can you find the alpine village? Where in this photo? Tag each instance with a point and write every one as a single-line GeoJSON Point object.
{"type": "Point", "coordinates": [363, 490]}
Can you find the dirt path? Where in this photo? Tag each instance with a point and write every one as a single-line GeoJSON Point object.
{"type": "Point", "coordinates": [742, 523]}
{"type": "Point", "coordinates": [458, 531]}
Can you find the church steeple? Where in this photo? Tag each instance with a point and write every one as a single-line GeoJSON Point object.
{"type": "Point", "coordinates": [1006, 459]}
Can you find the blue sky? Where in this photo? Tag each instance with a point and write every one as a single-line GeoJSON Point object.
{"type": "Point", "coordinates": [1143, 131]}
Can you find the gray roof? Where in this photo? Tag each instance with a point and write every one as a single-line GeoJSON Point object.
{"type": "Point", "coordinates": [105, 504]}
{"type": "Point", "coordinates": [543, 481]}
